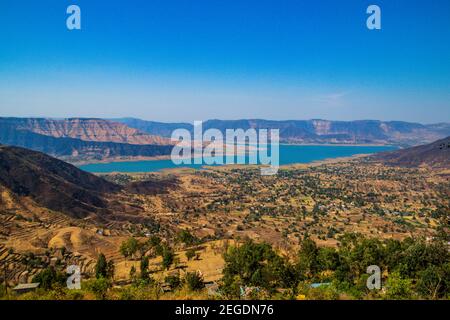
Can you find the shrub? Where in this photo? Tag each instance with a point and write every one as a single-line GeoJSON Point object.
{"type": "Point", "coordinates": [168, 255]}
{"type": "Point", "coordinates": [397, 287]}
{"type": "Point", "coordinates": [49, 277]}
{"type": "Point", "coordinates": [194, 281]}
{"type": "Point", "coordinates": [190, 254]}
{"type": "Point", "coordinates": [99, 287]}
{"type": "Point", "coordinates": [186, 237]}
{"type": "Point", "coordinates": [173, 281]}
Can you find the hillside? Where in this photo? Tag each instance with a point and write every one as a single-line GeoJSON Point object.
{"type": "Point", "coordinates": [52, 183]}
{"type": "Point", "coordinates": [97, 130]}
{"type": "Point", "coordinates": [72, 149]}
{"type": "Point", "coordinates": [316, 131]}
{"type": "Point", "coordinates": [436, 154]}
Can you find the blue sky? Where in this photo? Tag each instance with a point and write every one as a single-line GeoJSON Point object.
{"type": "Point", "coordinates": [184, 60]}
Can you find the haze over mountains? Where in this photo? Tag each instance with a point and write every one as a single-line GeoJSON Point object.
{"type": "Point", "coordinates": [316, 131]}
{"type": "Point", "coordinates": [87, 139]}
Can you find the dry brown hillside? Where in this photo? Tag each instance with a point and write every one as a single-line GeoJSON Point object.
{"type": "Point", "coordinates": [436, 154]}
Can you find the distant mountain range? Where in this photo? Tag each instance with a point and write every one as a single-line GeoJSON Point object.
{"type": "Point", "coordinates": [81, 139]}
{"type": "Point", "coordinates": [97, 130]}
{"type": "Point", "coordinates": [87, 139]}
{"type": "Point", "coordinates": [316, 131]}
{"type": "Point", "coordinates": [436, 154]}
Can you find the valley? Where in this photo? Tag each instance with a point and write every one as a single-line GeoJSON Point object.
{"type": "Point", "coordinates": [217, 206]}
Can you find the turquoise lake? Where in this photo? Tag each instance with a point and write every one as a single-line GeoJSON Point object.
{"type": "Point", "coordinates": [289, 154]}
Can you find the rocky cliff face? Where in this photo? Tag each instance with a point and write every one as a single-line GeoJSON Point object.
{"type": "Point", "coordinates": [21, 132]}
{"type": "Point", "coordinates": [98, 130]}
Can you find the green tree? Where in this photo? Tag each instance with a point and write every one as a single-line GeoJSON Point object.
{"type": "Point", "coordinates": [393, 253]}
{"type": "Point", "coordinates": [418, 254]}
{"type": "Point", "coordinates": [144, 268]}
{"type": "Point", "coordinates": [256, 265]}
{"type": "Point", "coordinates": [366, 252]}
{"type": "Point", "coordinates": [307, 258]}
{"type": "Point", "coordinates": [190, 254]}
{"type": "Point", "coordinates": [110, 269]}
{"type": "Point", "coordinates": [174, 281]}
{"type": "Point", "coordinates": [432, 282]}
{"type": "Point", "coordinates": [133, 273]}
{"type": "Point", "coordinates": [154, 241]}
{"type": "Point", "coordinates": [49, 277]}
{"type": "Point", "coordinates": [184, 236]}
{"type": "Point", "coordinates": [167, 257]}
{"type": "Point", "coordinates": [194, 281]}
{"type": "Point", "coordinates": [129, 247]}
{"type": "Point", "coordinates": [398, 288]}
{"type": "Point", "coordinates": [101, 267]}
{"type": "Point", "coordinates": [327, 259]}
{"type": "Point", "coordinates": [100, 287]}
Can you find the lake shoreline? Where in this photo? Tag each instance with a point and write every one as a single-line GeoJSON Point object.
{"type": "Point", "coordinates": [167, 157]}
{"type": "Point", "coordinates": [289, 155]}
{"type": "Point", "coordinates": [117, 159]}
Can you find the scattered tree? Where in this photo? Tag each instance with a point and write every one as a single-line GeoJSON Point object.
{"type": "Point", "coordinates": [194, 281]}
{"type": "Point", "coordinates": [190, 254]}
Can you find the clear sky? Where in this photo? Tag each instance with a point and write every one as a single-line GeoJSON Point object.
{"type": "Point", "coordinates": [185, 60]}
